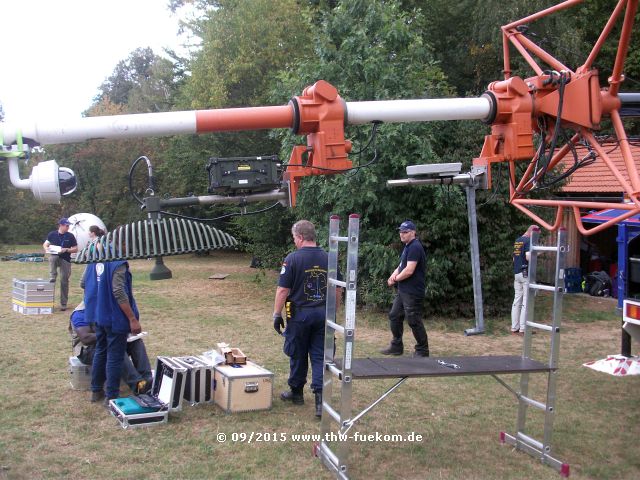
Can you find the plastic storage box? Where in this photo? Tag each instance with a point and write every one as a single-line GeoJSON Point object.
{"type": "Point", "coordinates": [80, 374]}
{"type": "Point", "coordinates": [573, 280]}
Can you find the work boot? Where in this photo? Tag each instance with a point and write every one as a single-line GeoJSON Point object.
{"type": "Point", "coordinates": [105, 404]}
{"type": "Point", "coordinates": [295, 396]}
{"type": "Point", "coordinates": [97, 396]}
{"type": "Point", "coordinates": [392, 350]}
{"type": "Point", "coordinates": [420, 353]}
{"type": "Point", "coordinates": [319, 405]}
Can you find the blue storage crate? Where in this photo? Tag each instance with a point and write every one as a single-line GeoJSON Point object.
{"type": "Point", "coordinates": [573, 280]}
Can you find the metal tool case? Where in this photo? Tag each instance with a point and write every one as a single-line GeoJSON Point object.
{"type": "Point", "coordinates": [32, 297]}
{"type": "Point", "coordinates": [242, 388]}
{"type": "Point", "coordinates": [199, 380]}
{"type": "Point", "coordinates": [168, 387]}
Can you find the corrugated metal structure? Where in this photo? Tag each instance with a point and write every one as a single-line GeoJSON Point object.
{"type": "Point", "coordinates": [155, 238]}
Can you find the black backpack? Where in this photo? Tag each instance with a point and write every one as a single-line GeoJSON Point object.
{"type": "Point", "coordinates": [598, 284]}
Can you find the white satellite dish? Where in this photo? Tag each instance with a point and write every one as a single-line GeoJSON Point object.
{"type": "Point", "coordinates": [80, 224]}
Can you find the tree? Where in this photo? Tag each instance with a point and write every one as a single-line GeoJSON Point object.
{"type": "Point", "coordinates": [384, 56]}
{"type": "Point", "coordinates": [144, 82]}
{"type": "Point", "coordinates": [245, 44]}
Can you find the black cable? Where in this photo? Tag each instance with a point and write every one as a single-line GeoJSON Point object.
{"type": "Point", "coordinates": [372, 138]}
{"type": "Point", "coordinates": [560, 45]}
{"type": "Point", "coordinates": [495, 188]}
{"type": "Point", "coordinates": [344, 170]}
{"type": "Point", "coordinates": [222, 217]}
{"type": "Point", "coordinates": [133, 166]}
{"type": "Point", "coordinates": [178, 215]}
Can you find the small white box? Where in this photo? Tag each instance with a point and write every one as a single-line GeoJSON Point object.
{"type": "Point", "coordinates": [80, 374]}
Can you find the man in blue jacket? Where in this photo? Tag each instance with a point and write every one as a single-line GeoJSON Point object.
{"type": "Point", "coordinates": [136, 369]}
{"type": "Point", "coordinates": [409, 277]}
{"type": "Point", "coordinates": [110, 305]}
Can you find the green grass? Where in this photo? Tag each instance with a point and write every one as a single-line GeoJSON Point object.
{"type": "Point", "coordinates": [48, 430]}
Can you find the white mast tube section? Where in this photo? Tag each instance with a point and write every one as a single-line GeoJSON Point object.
{"type": "Point", "coordinates": [252, 118]}
{"type": "Point", "coordinates": [424, 110]}
{"type": "Point", "coordinates": [115, 126]}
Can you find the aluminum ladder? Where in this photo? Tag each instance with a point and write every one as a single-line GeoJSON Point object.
{"type": "Point", "coordinates": [336, 462]}
{"type": "Point", "coordinates": [521, 440]}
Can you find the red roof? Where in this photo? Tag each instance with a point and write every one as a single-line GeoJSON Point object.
{"type": "Point", "coordinates": [597, 177]}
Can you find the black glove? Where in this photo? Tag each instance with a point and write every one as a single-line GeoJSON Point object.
{"type": "Point", "coordinates": [278, 322]}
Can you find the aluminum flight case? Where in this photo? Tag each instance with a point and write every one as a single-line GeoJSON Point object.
{"type": "Point", "coordinates": [133, 420]}
{"type": "Point", "coordinates": [32, 297]}
{"type": "Point", "coordinates": [243, 388]}
{"type": "Point", "coordinates": [198, 384]}
{"type": "Point", "coordinates": [168, 387]}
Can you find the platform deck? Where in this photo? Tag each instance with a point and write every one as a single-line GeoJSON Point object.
{"type": "Point", "coordinates": [400, 367]}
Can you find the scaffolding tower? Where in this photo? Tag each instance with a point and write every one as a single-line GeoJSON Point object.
{"type": "Point", "coordinates": [345, 368]}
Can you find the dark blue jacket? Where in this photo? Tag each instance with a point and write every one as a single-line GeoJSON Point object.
{"type": "Point", "coordinates": [101, 306]}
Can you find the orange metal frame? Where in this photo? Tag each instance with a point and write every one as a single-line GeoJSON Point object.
{"type": "Point", "coordinates": [319, 114]}
{"type": "Point", "coordinates": [521, 102]}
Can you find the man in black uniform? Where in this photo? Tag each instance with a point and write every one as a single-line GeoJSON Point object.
{"type": "Point", "coordinates": [303, 285]}
{"type": "Point", "coordinates": [409, 300]}
{"type": "Point", "coordinates": [60, 244]}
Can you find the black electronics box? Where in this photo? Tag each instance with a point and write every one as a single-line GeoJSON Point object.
{"type": "Point", "coordinates": [235, 175]}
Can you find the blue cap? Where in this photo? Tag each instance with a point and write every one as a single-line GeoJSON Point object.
{"type": "Point", "coordinates": [64, 221]}
{"type": "Point", "coordinates": [407, 225]}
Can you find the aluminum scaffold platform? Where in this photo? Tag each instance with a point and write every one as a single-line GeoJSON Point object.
{"type": "Point", "coordinates": [333, 449]}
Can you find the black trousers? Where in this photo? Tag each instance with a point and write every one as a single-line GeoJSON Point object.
{"type": "Point", "coordinates": [409, 307]}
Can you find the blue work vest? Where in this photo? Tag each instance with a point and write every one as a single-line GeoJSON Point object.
{"type": "Point", "coordinates": [101, 306]}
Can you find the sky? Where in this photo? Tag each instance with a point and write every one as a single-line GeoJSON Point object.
{"type": "Point", "coordinates": [58, 52]}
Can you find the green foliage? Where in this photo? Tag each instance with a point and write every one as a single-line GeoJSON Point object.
{"type": "Point", "coordinates": [384, 55]}
{"type": "Point", "coordinates": [266, 236]}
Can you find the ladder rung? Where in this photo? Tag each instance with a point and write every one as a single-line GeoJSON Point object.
{"type": "Point", "coordinates": [337, 283]}
{"type": "Point", "coordinates": [542, 248]}
{"type": "Point", "coordinates": [541, 326]}
{"type": "Point", "coordinates": [332, 413]}
{"type": "Point", "coordinates": [335, 326]}
{"type": "Point", "coordinates": [326, 451]}
{"type": "Point", "coordinates": [335, 370]}
{"type": "Point", "coordinates": [529, 441]}
{"type": "Point", "coordinates": [337, 238]}
{"type": "Point", "coordinates": [533, 403]}
{"type": "Point", "coordinates": [537, 286]}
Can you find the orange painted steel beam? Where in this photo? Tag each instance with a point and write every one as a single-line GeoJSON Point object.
{"type": "Point", "coordinates": [584, 104]}
{"type": "Point", "coordinates": [623, 47]}
{"type": "Point", "coordinates": [543, 13]}
{"type": "Point", "coordinates": [602, 226]}
{"type": "Point", "coordinates": [606, 31]}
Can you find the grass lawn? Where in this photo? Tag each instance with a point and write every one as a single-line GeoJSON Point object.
{"type": "Point", "coordinates": [48, 430]}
